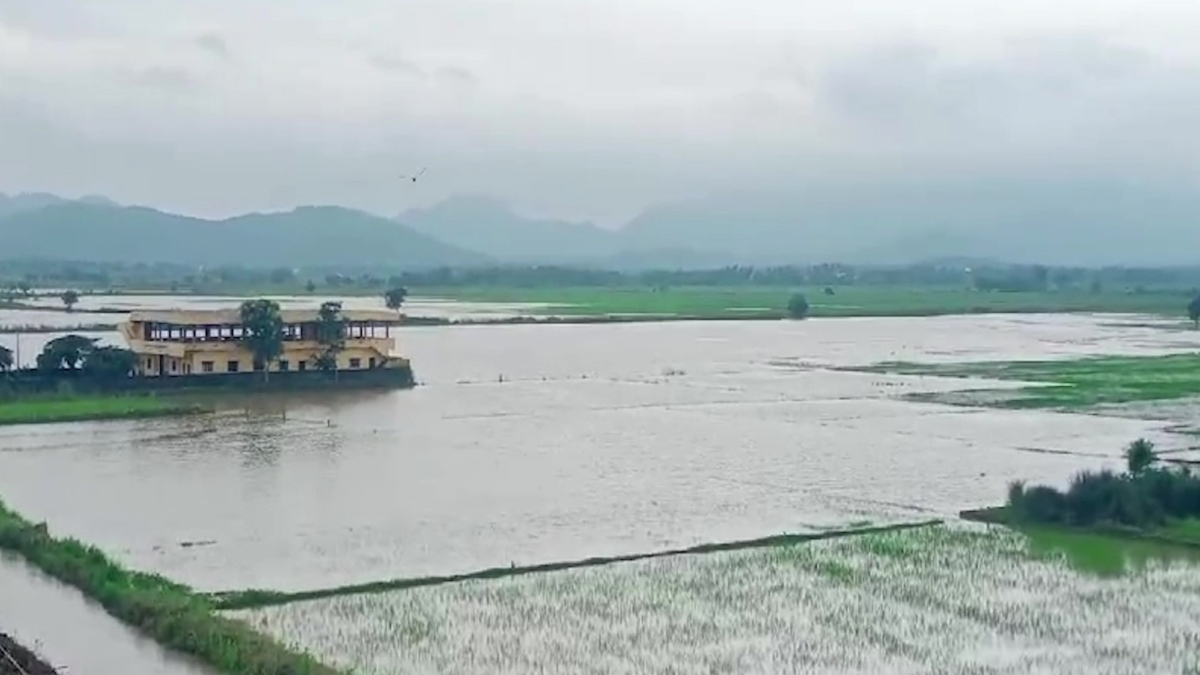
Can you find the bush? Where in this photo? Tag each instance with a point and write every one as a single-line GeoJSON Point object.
{"type": "Point", "coordinates": [1143, 497]}
{"type": "Point", "coordinates": [798, 306]}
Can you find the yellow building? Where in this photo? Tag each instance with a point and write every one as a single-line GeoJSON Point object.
{"type": "Point", "coordinates": [199, 342]}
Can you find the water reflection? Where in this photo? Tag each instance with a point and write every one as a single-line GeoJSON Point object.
{"type": "Point", "coordinates": [1106, 556]}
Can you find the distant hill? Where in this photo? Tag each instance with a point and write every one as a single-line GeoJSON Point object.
{"type": "Point", "coordinates": [1054, 221]}
{"type": "Point", "coordinates": [491, 227]}
{"type": "Point", "coordinates": [97, 231]}
{"type": "Point", "coordinates": [29, 201]}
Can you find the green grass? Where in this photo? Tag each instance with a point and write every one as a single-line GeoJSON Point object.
{"type": "Point", "coordinates": [1104, 551]}
{"type": "Point", "coordinates": [1078, 383]}
{"type": "Point", "coordinates": [169, 613]}
{"type": "Point", "coordinates": [42, 410]}
{"type": "Point", "coordinates": [743, 301]}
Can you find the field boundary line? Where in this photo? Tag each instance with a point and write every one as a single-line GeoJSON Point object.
{"type": "Point", "coordinates": [256, 598]}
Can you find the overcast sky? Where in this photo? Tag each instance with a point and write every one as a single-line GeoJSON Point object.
{"type": "Point", "coordinates": [586, 108]}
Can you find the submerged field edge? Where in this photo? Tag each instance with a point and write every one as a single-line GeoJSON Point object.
{"type": "Point", "coordinates": [998, 515]}
{"type": "Point", "coordinates": [169, 613]}
{"type": "Point", "coordinates": [256, 599]}
{"type": "Point", "coordinates": [51, 416]}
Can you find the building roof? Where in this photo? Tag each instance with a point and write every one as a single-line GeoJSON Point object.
{"type": "Point", "coordinates": [233, 316]}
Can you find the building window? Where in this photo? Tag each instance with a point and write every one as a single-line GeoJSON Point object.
{"type": "Point", "coordinates": [206, 366]}
{"type": "Point", "coordinates": [258, 366]}
{"type": "Point", "coordinates": [371, 362]}
{"type": "Point", "coordinates": [284, 365]}
{"type": "Point", "coordinates": [174, 365]}
{"type": "Point", "coordinates": [149, 364]}
{"type": "Point", "coordinates": [304, 365]}
{"type": "Point", "coordinates": [232, 366]}
{"type": "Point", "coordinates": [356, 363]}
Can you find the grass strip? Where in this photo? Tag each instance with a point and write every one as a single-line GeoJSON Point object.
{"type": "Point", "coordinates": [169, 613]}
{"type": "Point", "coordinates": [45, 410]}
{"type": "Point", "coordinates": [254, 599]}
{"type": "Point", "coordinates": [1074, 383]}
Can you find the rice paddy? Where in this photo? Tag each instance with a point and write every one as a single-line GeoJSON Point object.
{"type": "Point", "coordinates": [731, 302]}
{"type": "Point", "coordinates": [941, 600]}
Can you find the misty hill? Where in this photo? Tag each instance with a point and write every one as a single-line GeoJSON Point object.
{"type": "Point", "coordinates": [1086, 222]}
{"type": "Point", "coordinates": [30, 201]}
{"type": "Point", "coordinates": [491, 227]}
{"type": "Point", "coordinates": [308, 236]}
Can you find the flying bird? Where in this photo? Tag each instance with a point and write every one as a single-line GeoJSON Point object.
{"type": "Point", "coordinates": [417, 175]}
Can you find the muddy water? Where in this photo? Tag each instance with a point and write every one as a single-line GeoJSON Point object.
{"type": "Point", "coordinates": [74, 635]}
{"type": "Point", "coordinates": [537, 443]}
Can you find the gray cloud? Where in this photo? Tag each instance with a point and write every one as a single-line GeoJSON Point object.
{"type": "Point", "coordinates": [214, 44]}
{"type": "Point", "coordinates": [587, 109]}
{"type": "Point", "coordinates": [396, 65]}
{"type": "Point", "coordinates": [161, 77]}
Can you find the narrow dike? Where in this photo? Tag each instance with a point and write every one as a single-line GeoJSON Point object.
{"type": "Point", "coordinates": [254, 599]}
{"type": "Point", "coordinates": [170, 614]}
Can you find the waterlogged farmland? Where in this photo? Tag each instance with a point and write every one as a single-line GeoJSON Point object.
{"type": "Point", "coordinates": [935, 600]}
{"type": "Point", "coordinates": [531, 444]}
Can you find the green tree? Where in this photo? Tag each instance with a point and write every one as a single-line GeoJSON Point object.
{"type": "Point", "coordinates": [331, 335]}
{"type": "Point", "coordinates": [1193, 310]}
{"type": "Point", "coordinates": [1139, 456]}
{"type": "Point", "coordinates": [109, 362]}
{"type": "Point", "coordinates": [67, 351]}
{"type": "Point", "coordinates": [263, 327]}
{"type": "Point", "coordinates": [6, 359]}
{"type": "Point", "coordinates": [797, 306]}
{"type": "Point", "coordinates": [395, 297]}
{"type": "Point", "coordinates": [310, 286]}
{"type": "Point", "coordinates": [70, 298]}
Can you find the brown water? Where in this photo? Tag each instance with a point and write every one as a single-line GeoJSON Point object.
{"type": "Point", "coordinates": [535, 443]}
{"type": "Point", "coordinates": [73, 634]}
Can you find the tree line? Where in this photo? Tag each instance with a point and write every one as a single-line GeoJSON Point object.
{"type": "Point", "coordinates": [20, 278]}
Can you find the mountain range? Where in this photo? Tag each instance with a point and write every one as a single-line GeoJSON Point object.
{"type": "Point", "coordinates": [40, 227]}
{"type": "Point", "coordinates": [1080, 222]}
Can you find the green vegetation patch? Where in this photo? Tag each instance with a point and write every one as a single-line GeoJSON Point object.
{"type": "Point", "coordinates": [41, 410]}
{"type": "Point", "coordinates": [166, 611]}
{"type": "Point", "coordinates": [1075, 383]}
{"type": "Point", "coordinates": [772, 301]}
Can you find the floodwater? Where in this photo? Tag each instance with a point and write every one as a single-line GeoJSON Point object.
{"type": "Point", "coordinates": [528, 444]}
{"type": "Point", "coordinates": [74, 634]}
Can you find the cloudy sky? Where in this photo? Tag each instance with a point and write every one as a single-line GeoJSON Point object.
{"type": "Point", "coordinates": [582, 108]}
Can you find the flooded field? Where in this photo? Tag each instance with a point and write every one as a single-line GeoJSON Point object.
{"type": "Point", "coordinates": [937, 600]}
{"type": "Point", "coordinates": [530, 444]}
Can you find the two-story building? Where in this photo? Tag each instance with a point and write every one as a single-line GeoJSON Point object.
{"type": "Point", "coordinates": [198, 342]}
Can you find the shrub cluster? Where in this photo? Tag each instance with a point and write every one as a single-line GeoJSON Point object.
{"type": "Point", "coordinates": [169, 613]}
{"type": "Point", "coordinates": [1145, 496]}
